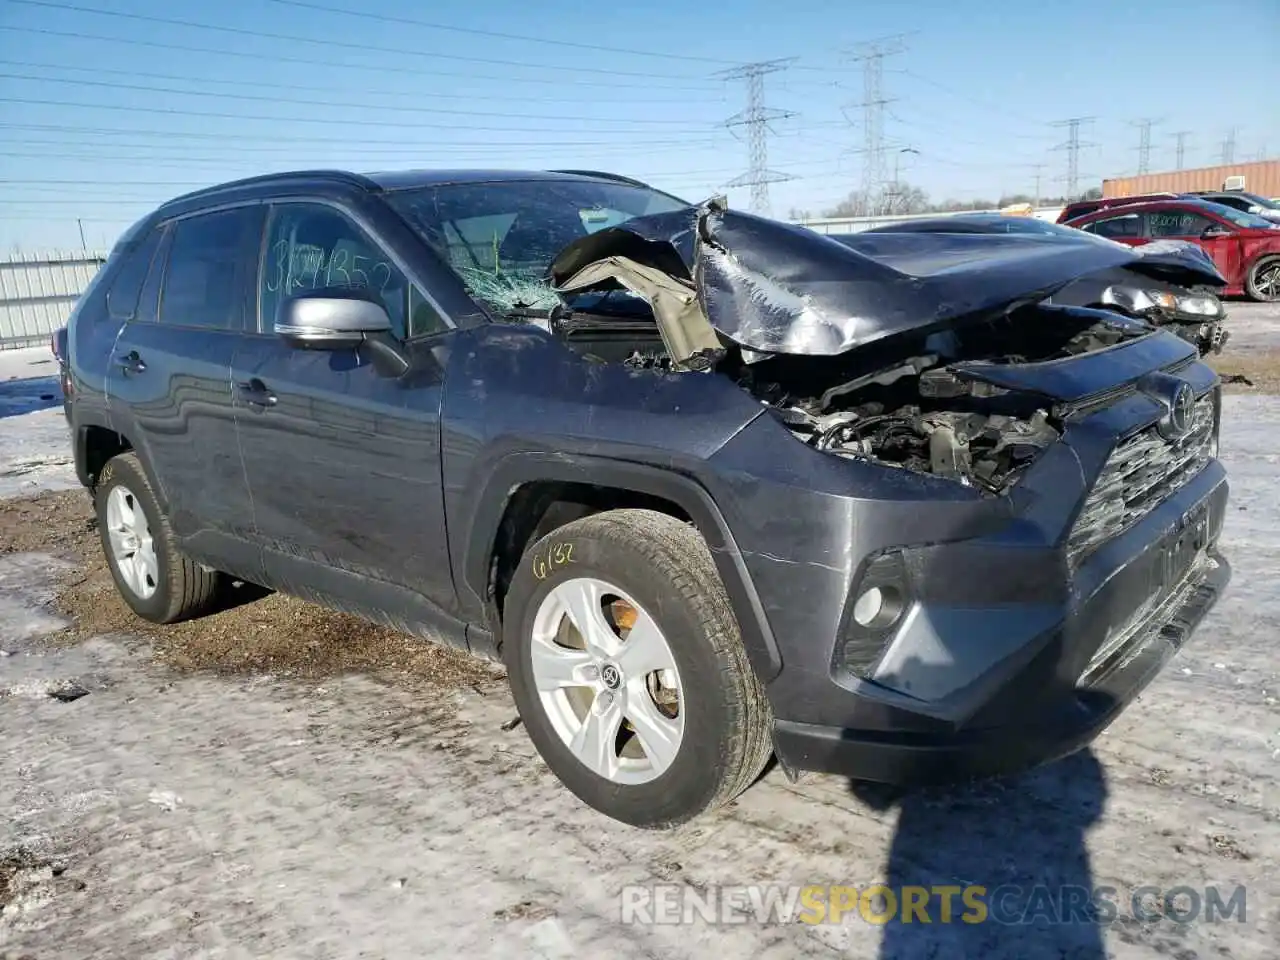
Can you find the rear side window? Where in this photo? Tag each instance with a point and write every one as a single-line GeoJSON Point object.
{"type": "Point", "coordinates": [1126, 225]}
{"type": "Point", "coordinates": [122, 295]}
{"type": "Point", "coordinates": [210, 255]}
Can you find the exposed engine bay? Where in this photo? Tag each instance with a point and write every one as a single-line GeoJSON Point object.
{"type": "Point", "coordinates": [869, 348]}
{"type": "Point", "coordinates": [906, 403]}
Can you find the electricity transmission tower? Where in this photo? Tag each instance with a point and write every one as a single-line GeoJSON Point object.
{"type": "Point", "coordinates": [756, 119]}
{"type": "Point", "coordinates": [1181, 137]}
{"type": "Point", "coordinates": [1229, 147]}
{"type": "Point", "coordinates": [1144, 143]}
{"type": "Point", "coordinates": [1038, 168]}
{"type": "Point", "coordinates": [1072, 145]}
{"type": "Point", "coordinates": [871, 55]}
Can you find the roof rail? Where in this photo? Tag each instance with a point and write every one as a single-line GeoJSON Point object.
{"type": "Point", "coordinates": [337, 176]}
{"type": "Point", "coordinates": [601, 175]}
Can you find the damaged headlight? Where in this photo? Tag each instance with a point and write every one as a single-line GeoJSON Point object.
{"type": "Point", "coordinates": [1204, 305]}
{"type": "Point", "coordinates": [1141, 300]}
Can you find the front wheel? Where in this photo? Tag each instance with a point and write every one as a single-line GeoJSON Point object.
{"type": "Point", "coordinates": [628, 669]}
{"type": "Point", "coordinates": [1264, 280]}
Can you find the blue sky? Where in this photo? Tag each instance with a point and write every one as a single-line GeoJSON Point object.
{"type": "Point", "coordinates": [96, 128]}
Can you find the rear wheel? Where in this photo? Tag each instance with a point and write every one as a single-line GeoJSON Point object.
{"type": "Point", "coordinates": [629, 672]}
{"type": "Point", "coordinates": [1264, 280]}
{"type": "Point", "coordinates": [151, 574]}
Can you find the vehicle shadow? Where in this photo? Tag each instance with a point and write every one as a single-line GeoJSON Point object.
{"type": "Point", "coordinates": [231, 594]}
{"type": "Point", "coordinates": [1020, 837]}
{"type": "Point", "coordinates": [28, 395]}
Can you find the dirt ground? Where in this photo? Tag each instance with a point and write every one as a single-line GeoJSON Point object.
{"type": "Point", "coordinates": [252, 633]}
{"type": "Point", "coordinates": [278, 780]}
{"type": "Point", "coordinates": [1248, 371]}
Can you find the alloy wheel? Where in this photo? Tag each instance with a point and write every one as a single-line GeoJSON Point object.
{"type": "Point", "coordinates": [608, 681]}
{"type": "Point", "coordinates": [132, 546]}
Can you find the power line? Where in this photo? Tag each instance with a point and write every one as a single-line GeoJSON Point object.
{"type": "Point", "coordinates": [346, 141]}
{"type": "Point", "coordinates": [1072, 145]}
{"type": "Point", "coordinates": [871, 55]}
{"type": "Point", "coordinates": [1038, 168]}
{"type": "Point", "coordinates": [1181, 137]}
{"type": "Point", "coordinates": [1144, 143]}
{"type": "Point", "coordinates": [380, 69]}
{"type": "Point", "coordinates": [273, 98]}
{"type": "Point", "coordinates": [345, 44]}
{"type": "Point", "coordinates": [523, 38]}
{"type": "Point", "coordinates": [756, 119]}
{"type": "Point", "coordinates": [358, 122]}
{"type": "Point", "coordinates": [951, 138]}
{"type": "Point", "coordinates": [996, 107]}
{"type": "Point", "coordinates": [344, 88]}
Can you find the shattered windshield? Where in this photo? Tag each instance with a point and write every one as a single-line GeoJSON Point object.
{"type": "Point", "coordinates": [501, 236]}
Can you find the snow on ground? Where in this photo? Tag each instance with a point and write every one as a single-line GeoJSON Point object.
{"type": "Point", "coordinates": [1253, 326]}
{"type": "Point", "coordinates": [152, 814]}
{"type": "Point", "coordinates": [34, 454]}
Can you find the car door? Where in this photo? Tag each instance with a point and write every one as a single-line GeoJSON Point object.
{"type": "Point", "coordinates": [1214, 235]}
{"type": "Point", "coordinates": [170, 382]}
{"type": "Point", "coordinates": [343, 455]}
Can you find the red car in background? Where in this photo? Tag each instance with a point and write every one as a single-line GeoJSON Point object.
{"type": "Point", "coordinates": [1244, 247]}
{"type": "Point", "coordinates": [1079, 208]}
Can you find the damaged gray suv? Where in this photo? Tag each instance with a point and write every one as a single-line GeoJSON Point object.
{"type": "Point", "coordinates": [714, 488]}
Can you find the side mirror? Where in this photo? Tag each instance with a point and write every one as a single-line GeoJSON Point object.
{"type": "Point", "coordinates": [330, 319]}
{"type": "Point", "coordinates": [1213, 232]}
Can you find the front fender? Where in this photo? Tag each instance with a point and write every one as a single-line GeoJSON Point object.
{"type": "Point", "coordinates": [517, 469]}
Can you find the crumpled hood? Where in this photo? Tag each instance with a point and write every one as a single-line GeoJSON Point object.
{"type": "Point", "coordinates": [1178, 261]}
{"type": "Point", "coordinates": [773, 287]}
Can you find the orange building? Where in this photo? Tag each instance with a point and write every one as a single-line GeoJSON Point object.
{"type": "Point", "coordinates": [1260, 177]}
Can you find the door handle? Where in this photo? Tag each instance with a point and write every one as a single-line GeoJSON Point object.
{"type": "Point", "coordinates": [130, 362]}
{"type": "Point", "coordinates": [255, 393]}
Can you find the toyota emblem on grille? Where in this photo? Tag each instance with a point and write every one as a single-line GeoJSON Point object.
{"type": "Point", "coordinates": [1178, 400]}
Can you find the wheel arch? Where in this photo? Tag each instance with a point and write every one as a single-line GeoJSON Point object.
{"type": "Point", "coordinates": [527, 495]}
{"type": "Point", "coordinates": [96, 443]}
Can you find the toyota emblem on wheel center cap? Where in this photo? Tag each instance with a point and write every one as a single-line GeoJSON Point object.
{"type": "Point", "coordinates": [611, 676]}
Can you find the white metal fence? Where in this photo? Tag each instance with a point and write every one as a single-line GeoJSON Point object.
{"type": "Point", "coordinates": [38, 290]}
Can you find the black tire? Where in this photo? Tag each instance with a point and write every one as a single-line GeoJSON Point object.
{"type": "Point", "coordinates": [184, 588]}
{"type": "Point", "coordinates": [1252, 285]}
{"type": "Point", "coordinates": [665, 566]}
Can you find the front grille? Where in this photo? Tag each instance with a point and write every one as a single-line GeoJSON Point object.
{"type": "Point", "coordinates": [1141, 472]}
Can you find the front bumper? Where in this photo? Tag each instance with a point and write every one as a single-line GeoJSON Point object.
{"type": "Point", "coordinates": [1143, 596]}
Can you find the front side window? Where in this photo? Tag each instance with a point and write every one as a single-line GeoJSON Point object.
{"type": "Point", "coordinates": [501, 237]}
{"type": "Point", "coordinates": [1177, 223]}
{"type": "Point", "coordinates": [210, 255]}
{"type": "Point", "coordinates": [312, 247]}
